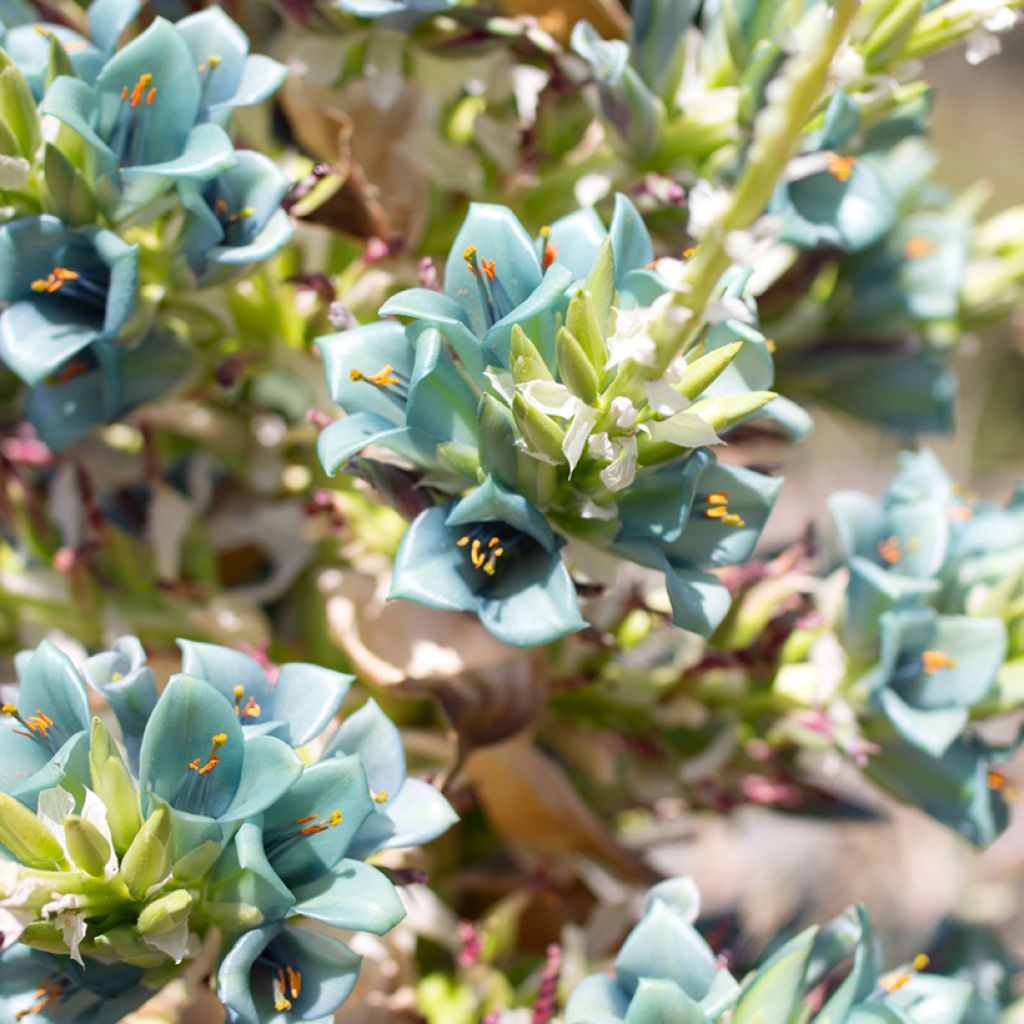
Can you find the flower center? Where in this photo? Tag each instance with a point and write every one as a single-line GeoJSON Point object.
{"type": "Point", "coordinates": [549, 251]}
{"type": "Point", "coordinates": [496, 301]}
{"type": "Point", "coordinates": [277, 840]}
{"type": "Point", "coordinates": [889, 550]}
{"type": "Point", "coordinates": [128, 135]}
{"type": "Point", "coordinates": [718, 508]}
{"type": "Point", "coordinates": [194, 789]}
{"type": "Point", "coordinates": [894, 982]}
{"type": "Point", "coordinates": [484, 548]}
{"type": "Point", "coordinates": [250, 709]}
{"type": "Point", "coordinates": [287, 986]}
{"type": "Point", "coordinates": [840, 167]}
{"type": "Point", "coordinates": [383, 378]}
{"type": "Point", "coordinates": [39, 727]}
{"type": "Point", "coordinates": [51, 991]}
{"type": "Point", "coordinates": [936, 660]}
{"type": "Point", "coordinates": [72, 284]}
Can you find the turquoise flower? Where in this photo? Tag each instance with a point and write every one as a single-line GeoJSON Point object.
{"type": "Point", "coordinates": [235, 219]}
{"type": "Point", "coordinates": [40, 987]}
{"type": "Point", "coordinates": [406, 812]}
{"type": "Point", "coordinates": [393, 8]}
{"type": "Point", "coordinates": [67, 291]}
{"type": "Point", "coordinates": [493, 554]}
{"type": "Point", "coordinates": [494, 280]}
{"type": "Point", "coordinates": [281, 972]}
{"type": "Point", "coordinates": [44, 732]}
{"type": "Point", "coordinates": [197, 761]}
{"type": "Point", "coordinates": [142, 120]}
{"type": "Point", "coordinates": [296, 708]}
{"type": "Point", "coordinates": [230, 76]}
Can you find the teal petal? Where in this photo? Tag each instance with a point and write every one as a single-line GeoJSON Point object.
{"type": "Point", "coordinates": [329, 970]}
{"type": "Point", "coordinates": [631, 241]}
{"type": "Point", "coordinates": [353, 896]}
{"type": "Point", "coordinates": [441, 402]}
{"type": "Point", "coordinates": [375, 738]}
{"type": "Point", "coordinates": [308, 697]}
{"type": "Point", "coordinates": [213, 32]}
{"type": "Point", "coordinates": [225, 668]}
{"type": "Point", "coordinates": [74, 102]}
{"type": "Point", "coordinates": [498, 236]}
{"type": "Point", "coordinates": [700, 600]}
{"type": "Point", "coordinates": [681, 895]}
{"type": "Point", "coordinates": [36, 339]}
{"type": "Point", "coordinates": [657, 506]}
{"type": "Point", "coordinates": [934, 732]}
{"type": "Point", "coordinates": [26, 769]}
{"type": "Point", "coordinates": [108, 19]}
{"type": "Point", "coordinates": [663, 1002]}
{"type": "Point", "coordinates": [933, 999]}
{"type": "Point", "coordinates": [276, 234]}
{"type": "Point", "coordinates": [418, 813]}
{"type": "Point", "coordinates": [234, 975]}
{"type": "Point", "coordinates": [244, 878]}
{"type": "Point", "coordinates": [535, 314]}
{"type": "Point", "coordinates": [365, 350]}
{"type": "Point", "coordinates": [269, 768]}
{"type": "Point", "coordinates": [922, 530]}
{"type": "Point", "coordinates": [344, 438]}
{"type": "Point", "coordinates": [443, 312]}
{"type": "Point", "coordinates": [492, 503]}
{"type": "Point", "coordinates": [51, 683]}
{"type": "Point", "coordinates": [596, 1000]}
{"type": "Point", "coordinates": [429, 567]}
{"type": "Point", "coordinates": [859, 523]}
{"type": "Point", "coordinates": [577, 238]}
{"type": "Point", "coordinates": [334, 784]}
{"type": "Point", "coordinates": [206, 153]}
{"type": "Point", "coordinates": [921, 477]}
{"type": "Point", "coordinates": [20, 757]}
{"type": "Point", "coordinates": [188, 715]}
{"type": "Point", "coordinates": [663, 946]}
{"type": "Point", "coordinates": [261, 78]}
{"type": "Point", "coordinates": [30, 51]}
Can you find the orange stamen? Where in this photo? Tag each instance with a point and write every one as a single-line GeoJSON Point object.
{"type": "Point", "coordinates": [936, 660]}
{"type": "Point", "coordinates": [841, 167]}
{"type": "Point", "coordinates": [917, 246]}
{"type": "Point", "coordinates": [889, 550]}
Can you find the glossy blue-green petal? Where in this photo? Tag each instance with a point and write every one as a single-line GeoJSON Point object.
{"type": "Point", "coordinates": [577, 238]}
{"type": "Point", "coordinates": [418, 814]}
{"type": "Point", "coordinates": [52, 683]}
{"type": "Point", "coordinates": [234, 974]}
{"type": "Point", "coordinates": [700, 600]}
{"type": "Point", "coordinates": [930, 282]}
{"type": "Point", "coordinates": [656, 506]}
{"type": "Point", "coordinates": [74, 102]}
{"type": "Point", "coordinates": [922, 530]}
{"type": "Point", "coordinates": [920, 477]}
{"type": "Point", "coordinates": [307, 697]}
{"type": "Point", "coordinates": [535, 314]}
{"type": "Point", "coordinates": [441, 311]}
{"type": "Point", "coordinates": [269, 768]}
{"type": "Point", "coordinates": [276, 234]}
{"type": "Point", "coordinates": [710, 543]}
{"type": "Point", "coordinates": [545, 609]}
{"type": "Point", "coordinates": [933, 731]}
{"type": "Point", "coordinates": [859, 523]}
{"type": "Point", "coordinates": [346, 437]}
{"type": "Point", "coordinates": [225, 668]}
{"type": "Point", "coordinates": [261, 77]}
{"type": "Point", "coordinates": [29, 48]}
{"type": "Point", "coordinates": [657, 1001]}
{"type": "Point", "coordinates": [132, 695]}
{"type": "Point", "coordinates": [631, 241]}
{"type": "Point", "coordinates": [244, 877]}
{"type": "Point", "coordinates": [188, 715]}
{"type": "Point", "coordinates": [596, 1000]}
{"type": "Point", "coordinates": [365, 350]}
{"type": "Point", "coordinates": [20, 756]}
{"type": "Point", "coordinates": [206, 153]}
{"type": "Point", "coordinates": [69, 767]}
{"type": "Point", "coordinates": [429, 568]}
{"type": "Point", "coordinates": [159, 51]}
{"type": "Point", "coordinates": [108, 19]}
{"type": "Point", "coordinates": [353, 896]}
{"type": "Point", "coordinates": [492, 503]}
{"type": "Point", "coordinates": [333, 784]}
{"type": "Point", "coordinates": [375, 738]}
{"type": "Point", "coordinates": [862, 978]}
{"type": "Point", "coordinates": [498, 236]}
{"type": "Point", "coordinates": [821, 210]}
{"type": "Point", "coordinates": [37, 339]}
{"type": "Point", "coordinates": [441, 402]}
{"type": "Point", "coordinates": [933, 999]}
{"type": "Point", "coordinates": [681, 895]}
{"type": "Point", "coordinates": [663, 946]}
{"type": "Point", "coordinates": [212, 32]}
{"type": "Point", "coordinates": [607, 58]}
{"type": "Point", "coordinates": [329, 970]}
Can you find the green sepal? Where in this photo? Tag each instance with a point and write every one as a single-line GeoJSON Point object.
{"type": "Point", "coordinates": [67, 190]}
{"type": "Point", "coordinates": [575, 368]}
{"type": "Point", "coordinates": [775, 990]}
{"type": "Point", "coordinates": [165, 914]}
{"type": "Point", "coordinates": [584, 317]}
{"type": "Point", "coordinates": [702, 372]}
{"type": "Point", "coordinates": [889, 40]}
{"type": "Point", "coordinates": [459, 458]}
{"type": "Point", "coordinates": [58, 62]}
{"type": "Point", "coordinates": [112, 782]}
{"type": "Point", "coordinates": [18, 107]}
{"type": "Point", "coordinates": [525, 359]}
{"type": "Point", "coordinates": [124, 943]}
{"type": "Point", "coordinates": [233, 917]}
{"type": "Point", "coordinates": [45, 936]}
{"type": "Point", "coordinates": [27, 837]}
{"type": "Point", "coordinates": [725, 412]}
{"type": "Point", "coordinates": [87, 845]}
{"type": "Point", "coordinates": [198, 862]}
{"type": "Point", "coordinates": [539, 430]}
{"type": "Point", "coordinates": [148, 859]}
{"type": "Point", "coordinates": [538, 481]}
{"type": "Point", "coordinates": [497, 441]}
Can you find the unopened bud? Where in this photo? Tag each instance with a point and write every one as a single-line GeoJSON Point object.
{"type": "Point", "coordinates": [27, 837]}
{"type": "Point", "coordinates": [87, 845]}
{"type": "Point", "coordinates": [525, 359]}
{"type": "Point", "coordinates": [148, 861]}
{"type": "Point", "coordinates": [112, 782]}
{"type": "Point", "coordinates": [165, 914]}
{"type": "Point", "coordinates": [539, 430]}
{"type": "Point", "coordinates": [576, 370]}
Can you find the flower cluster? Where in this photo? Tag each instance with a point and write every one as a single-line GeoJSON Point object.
{"type": "Point", "coordinates": [205, 822]}
{"type": "Point", "coordinates": [135, 164]}
{"type": "Point", "coordinates": [529, 399]}
{"type": "Point", "coordinates": [655, 982]}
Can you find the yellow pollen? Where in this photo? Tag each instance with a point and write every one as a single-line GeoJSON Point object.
{"type": "Point", "coordinates": [281, 1001]}
{"type": "Point", "coordinates": [214, 59]}
{"type": "Point", "coordinates": [769, 343]}
{"type": "Point", "coordinates": [462, 541]}
{"type": "Point", "coordinates": [54, 280]}
{"type": "Point", "coordinates": [239, 692]}
{"type": "Point", "coordinates": [382, 378]}
{"type": "Point", "coordinates": [889, 550]}
{"type": "Point", "coordinates": [936, 660]}
{"type": "Point", "coordinates": [718, 498]}
{"type": "Point", "coordinates": [840, 167]}
{"type": "Point", "coordinates": [689, 252]}
{"type": "Point", "coordinates": [246, 211]}
{"type": "Point", "coordinates": [545, 232]}
{"type": "Point", "coordinates": [335, 819]}
{"type": "Point", "coordinates": [469, 253]}
{"type": "Point", "coordinates": [9, 709]}
{"type": "Point", "coordinates": [734, 520]}
{"type": "Point", "coordinates": [716, 512]}
{"type": "Point", "coordinates": [219, 740]}
{"type": "Point", "coordinates": [917, 246]}
{"type": "Point", "coordinates": [920, 962]}
{"type": "Point", "coordinates": [476, 555]}
{"type": "Point", "coordinates": [381, 797]}
{"type": "Point", "coordinates": [895, 981]}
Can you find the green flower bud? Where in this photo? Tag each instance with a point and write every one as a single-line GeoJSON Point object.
{"type": "Point", "coordinates": [582, 321]}
{"type": "Point", "coordinates": [526, 361]}
{"type": "Point", "coordinates": [45, 936]}
{"type": "Point", "coordinates": [887, 43]}
{"type": "Point", "coordinates": [459, 458]}
{"type": "Point", "coordinates": [576, 370]}
{"type": "Point", "coordinates": [112, 782]}
{"type": "Point", "coordinates": [197, 862]}
{"type": "Point", "coordinates": [540, 431]}
{"type": "Point", "coordinates": [538, 481]}
{"type": "Point", "coordinates": [497, 441]}
{"type": "Point", "coordinates": [165, 914]}
{"type": "Point", "coordinates": [233, 917]}
{"type": "Point", "coordinates": [87, 845]}
{"type": "Point", "coordinates": [148, 859]}
{"type": "Point", "coordinates": [599, 293]}
{"type": "Point", "coordinates": [27, 837]}
{"type": "Point", "coordinates": [17, 110]}
{"type": "Point", "coordinates": [702, 372]}
{"type": "Point", "coordinates": [124, 943]}
{"type": "Point", "coordinates": [725, 412]}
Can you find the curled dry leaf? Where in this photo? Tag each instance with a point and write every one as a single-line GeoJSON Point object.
{"type": "Point", "coordinates": [607, 16]}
